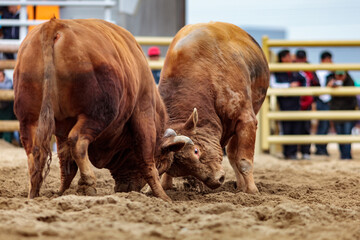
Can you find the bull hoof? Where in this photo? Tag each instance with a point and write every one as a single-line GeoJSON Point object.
{"type": "Point", "coordinates": [246, 189]}
{"type": "Point", "coordinates": [252, 190]}
{"type": "Point", "coordinates": [166, 198]}
{"type": "Point", "coordinates": [62, 190]}
{"type": "Point", "coordinates": [86, 190]}
{"type": "Point", "coordinates": [86, 186]}
{"type": "Point", "coordinates": [34, 192]}
{"type": "Point", "coordinates": [33, 195]}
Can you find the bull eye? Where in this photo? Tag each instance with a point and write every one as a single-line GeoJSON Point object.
{"type": "Point", "coordinates": [196, 151]}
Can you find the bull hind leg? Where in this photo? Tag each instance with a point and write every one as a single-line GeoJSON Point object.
{"type": "Point", "coordinates": [68, 167]}
{"type": "Point", "coordinates": [79, 141]}
{"type": "Point", "coordinates": [240, 152]}
{"type": "Point", "coordinates": [36, 158]}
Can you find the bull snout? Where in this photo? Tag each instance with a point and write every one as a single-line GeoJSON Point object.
{"type": "Point", "coordinates": [220, 177]}
{"type": "Point", "coordinates": [216, 181]}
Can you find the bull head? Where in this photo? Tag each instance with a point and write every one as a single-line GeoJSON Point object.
{"type": "Point", "coordinates": [202, 159]}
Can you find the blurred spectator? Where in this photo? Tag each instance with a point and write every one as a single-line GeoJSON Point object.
{"type": "Point", "coordinates": [6, 108]}
{"type": "Point", "coordinates": [322, 103]}
{"type": "Point", "coordinates": [287, 80]}
{"type": "Point", "coordinates": [306, 101]}
{"type": "Point", "coordinates": [154, 55]}
{"type": "Point", "coordinates": [2, 10]}
{"type": "Point", "coordinates": [356, 129]}
{"type": "Point", "coordinates": [341, 78]}
{"type": "Point", "coordinates": [11, 32]}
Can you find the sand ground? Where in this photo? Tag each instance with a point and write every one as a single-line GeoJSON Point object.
{"type": "Point", "coordinates": [316, 199]}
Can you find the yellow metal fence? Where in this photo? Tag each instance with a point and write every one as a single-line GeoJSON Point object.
{"type": "Point", "coordinates": [268, 111]}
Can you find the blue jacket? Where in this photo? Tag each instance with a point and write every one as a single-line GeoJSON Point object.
{"type": "Point", "coordinates": [10, 32]}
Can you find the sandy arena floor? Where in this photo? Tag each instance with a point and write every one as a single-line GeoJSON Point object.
{"type": "Point", "coordinates": [317, 199]}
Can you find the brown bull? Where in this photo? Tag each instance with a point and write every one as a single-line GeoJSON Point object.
{"type": "Point", "coordinates": [88, 82]}
{"type": "Point", "coordinates": [220, 70]}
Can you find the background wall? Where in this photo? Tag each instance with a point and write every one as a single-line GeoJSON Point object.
{"type": "Point", "coordinates": [151, 17]}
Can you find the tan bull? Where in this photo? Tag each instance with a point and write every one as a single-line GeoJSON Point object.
{"type": "Point", "coordinates": [220, 70]}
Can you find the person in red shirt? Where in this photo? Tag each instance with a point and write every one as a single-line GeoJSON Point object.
{"type": "Point", "coordinates": [306, 101]}
{"type": "Point", "coordinates": [154, 55]}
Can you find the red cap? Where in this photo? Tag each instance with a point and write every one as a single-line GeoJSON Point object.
{"type": "Point", "coordinates": [154, 51]}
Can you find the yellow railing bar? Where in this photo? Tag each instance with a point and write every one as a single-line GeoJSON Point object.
{"type": "Point", "coordinates": [156, 64]}
{"type": "Point", "coordinates": [318, 43]}
{"type": "Point", "coordinates": [163, 41]}
{"type": "Point", "coordinates": [307, 115]}
{"type": "Point", "coordinates": [314, 91]}
{"type": "Point", "coordinates": [307, 139]}
{"type": "Point", "coordinates": [286, 67]}
{"type": "Point", "coordinates": [6, 95]}
{"type": "Point", "coordinates": [7, 64]}
{"type": "Point", "coordinates": [9, 125]}
{"type": "Point", "coordinates": [283, 67]}
{"type": "Point", "coordinates": [10, 64]}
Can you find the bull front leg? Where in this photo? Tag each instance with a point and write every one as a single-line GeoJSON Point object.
{"type": "Point", "coordinates": [145, 134]}
{"type": "Point", "coordinates": [240, 152]}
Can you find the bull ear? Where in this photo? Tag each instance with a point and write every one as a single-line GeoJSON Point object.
{"type": "Point", "coordinates": [192, 121]}
{"type": "Point", "coordinates": [175, 144]}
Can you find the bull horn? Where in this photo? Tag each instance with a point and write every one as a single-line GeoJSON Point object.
{"type": "Point", "coordinates": [169, 132]}
{"type": "Point", "coordinates": [184, 139]}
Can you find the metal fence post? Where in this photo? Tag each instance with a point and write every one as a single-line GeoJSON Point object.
{"type": "Point", "coordinates": [23, 18]}
{"type": "Point", "coordinates": [107, 11]}
{"type": "Point", "coordinates": [264, 127]}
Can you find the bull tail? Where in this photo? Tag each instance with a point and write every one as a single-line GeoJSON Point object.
{"type": "Point", "coordinates": [46, 122]}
